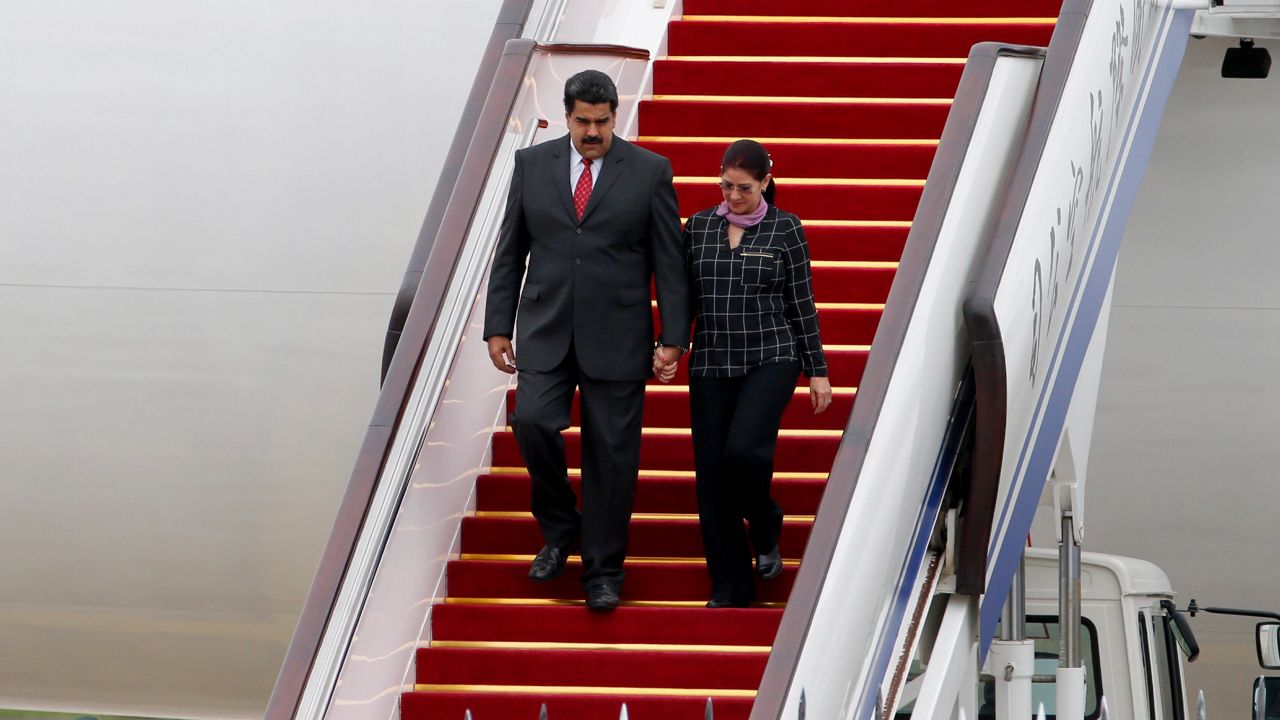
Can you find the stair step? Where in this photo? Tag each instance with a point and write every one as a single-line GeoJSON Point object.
{"type": "Point", "coordinates": [644, 705]}
{"type": "Point", "coordinates": [876, 244]}
{"type": "Point", "coordinates": [817, 79]}
{"type": "Point", "coordinates": [673, 626]}
{"type": "Point", "coordinates": [828, 202]}
{"type": "Point", "coordinates": [668, 405]}
{"type": "Point", "coordinates": [608, 668]}
{"type": "Point", "coordinates": [654, 494]}
{"type": "Point", "coordinates": [648, 538]}
{"type": "Point", "coordinates": [868, 159]}
{"type": "Point", "coordinates": [701, 35]}
{"type": "Point", "coordinates": [744, 118]}
{"type": "Point", "coordinates": [868, 8]}
{"type": "Point", "coordinates": [675, 451]}
{"type": "Point", "coordinates": [650, 582]}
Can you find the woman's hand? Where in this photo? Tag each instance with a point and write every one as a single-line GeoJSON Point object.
{"type": "Point", "coordinates": [819, 394]}
{"type": "Point", "coordinates": [665, 361]}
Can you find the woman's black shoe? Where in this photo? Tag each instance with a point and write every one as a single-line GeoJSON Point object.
{"type": "Point", "coordinates": [718, 603]}
{"type": "Point", "coordinates": [769, 565]}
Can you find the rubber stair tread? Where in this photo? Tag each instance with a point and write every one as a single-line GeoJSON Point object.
{"type": "Point", "coordinates": [674, 581]}
{"type": "Point", "coordinates": [647, 538]}
{"type": "Point", "coordinates": [675, 626]}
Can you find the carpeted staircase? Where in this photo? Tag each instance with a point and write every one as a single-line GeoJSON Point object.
{"type": "Point", "coordinates": [850, 105]}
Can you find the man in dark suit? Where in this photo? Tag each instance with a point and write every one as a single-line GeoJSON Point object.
{"type": "Point", "coordinates": [595, 220]}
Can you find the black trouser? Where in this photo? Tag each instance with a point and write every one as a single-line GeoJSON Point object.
{"type": "Point", "coordinates": [735, 429]}
{"type": "Point", "coordinates": [612, 413]}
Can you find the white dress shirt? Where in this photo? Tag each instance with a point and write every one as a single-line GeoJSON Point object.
{"type": "Point", "coordinates": [576, 166]}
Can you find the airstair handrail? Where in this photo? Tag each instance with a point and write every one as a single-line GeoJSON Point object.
{"type": "Point", "coordinates": [441, 254]}
{"type": "Point", "coordinates": [872, 389]}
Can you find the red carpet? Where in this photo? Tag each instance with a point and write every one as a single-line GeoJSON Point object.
{"type": "Point", "coordinates": [898, 161]}
{"type": "Point", "coordinates": [850, 104]}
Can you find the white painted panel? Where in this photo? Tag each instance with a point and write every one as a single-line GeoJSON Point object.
{"type": "Point", "coordinates": [1063, 252]}
{"type": "Point", "coordinates": [253, 176]}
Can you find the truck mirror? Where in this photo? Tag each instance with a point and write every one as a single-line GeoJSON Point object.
{"type": "Point", "coordinates": [1268, 639]}
{"type": "Point", "coordinates": [1182, 633]}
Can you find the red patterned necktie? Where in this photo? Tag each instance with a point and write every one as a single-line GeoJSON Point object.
{"type": "Point", "coordinates": [582, 193]}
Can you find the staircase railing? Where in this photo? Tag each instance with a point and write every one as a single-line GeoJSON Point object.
{"type": "Point", "coordinates": [454, 257]}
{"type": "Point", "coordinates": [351, 554]}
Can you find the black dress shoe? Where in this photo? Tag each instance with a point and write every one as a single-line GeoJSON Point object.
{"type": "Point", "coordinates": [548, 564]}
{"type": "Point", "coordinates": [602, 598]}
{"type": "Point", "coordinates": [718, 603]}
{"type": "Point", "coordinates": [769, 565]}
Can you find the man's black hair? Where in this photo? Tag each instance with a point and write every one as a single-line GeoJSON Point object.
{"type": "Point", "coordinates": [591, 87]}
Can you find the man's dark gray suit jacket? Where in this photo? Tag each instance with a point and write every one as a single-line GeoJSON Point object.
{"type": "Point", "coordinates": [589, 281]}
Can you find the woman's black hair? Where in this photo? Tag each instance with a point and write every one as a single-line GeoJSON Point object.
{"type": "Point", "coordinates": [750, 157]}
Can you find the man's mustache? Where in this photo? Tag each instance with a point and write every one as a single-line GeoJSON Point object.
{"type": "Point", "coordinates": [592, 140]}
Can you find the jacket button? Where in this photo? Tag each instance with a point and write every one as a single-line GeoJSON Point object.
{"type": "Point", "coordinates": [577, 261]}
{"type": "Point", "coordinates": [579, 231]}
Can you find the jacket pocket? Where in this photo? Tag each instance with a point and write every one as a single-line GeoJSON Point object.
{"type": "Point", "coordinates": [759, 267]}
{"type": "Point", "coordinates": [633, 296]}
{"type": "Point", "coordinates": [531, 292]}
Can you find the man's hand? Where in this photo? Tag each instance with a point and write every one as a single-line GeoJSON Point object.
{"type": "Point", "coordinates": [502, 354]}
{"type": "Point", "coordinates": [819, 394]}
{"type": "Point", "coordinates": [666, 358]}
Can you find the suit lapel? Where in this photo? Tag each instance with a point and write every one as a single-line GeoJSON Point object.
{"type": "Point", "coordinates": [613, 170]}
{"type": "Point", "coordinates": [560, 176]}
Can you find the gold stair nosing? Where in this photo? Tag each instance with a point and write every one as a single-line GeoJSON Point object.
{"type": "Point", "coordinates": [868, 20]}
{"type": "Point", "coordinates": [686, 432]}
{"type": "Point", "coordinates": [887, 142]}
{"type": "Point", "coordinates": [669, 389]}
{"type": "Point", "coordinates": [834, 59]}
{"type": "Point", "coordinates": [627, 647]}
{"type": "Point", "coordinates": [841, 182]}
{"type": "Point", "coordinates": [571, 602]}
{"type": "Point", "coordinates": [794, 99]}
{"type": "Point", "coordinates": [650, 474]}
{"type": "Point", "coordinates": [587, 690]}
{"type": "Point", "coordinates": [789, 562]}
{"type": "Point", "coordinates": [526, 515]}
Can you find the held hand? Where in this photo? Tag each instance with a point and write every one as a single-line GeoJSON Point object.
{"type": "Point", "coordinates": [819, 394]}
{"type": "Point", "coordinates": [665, 361]}
{"type": "Point", "coordinates": [502, 355]}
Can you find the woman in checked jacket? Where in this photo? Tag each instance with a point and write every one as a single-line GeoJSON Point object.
{"type": "Point", "coordinates": [756, 330]}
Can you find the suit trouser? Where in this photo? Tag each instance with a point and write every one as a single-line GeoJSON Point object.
{"type": "Point", "coordinates": [611, 420]}
{"type": "Point", "coordinates": [735, 430]}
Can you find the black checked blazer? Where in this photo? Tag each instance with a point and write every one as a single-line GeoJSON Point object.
{"type": "Point", "coordinates": [753, 304]}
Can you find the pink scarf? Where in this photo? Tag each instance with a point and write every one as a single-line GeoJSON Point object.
{"type": "Point", "coordinates": [743, 221]}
